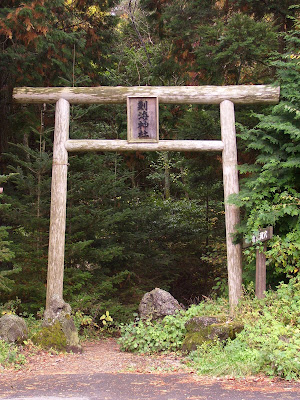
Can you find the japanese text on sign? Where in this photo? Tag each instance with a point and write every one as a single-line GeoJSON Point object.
{"type": "Point", "coordinates": [262, 236]}
{"type": "Point", "coordinates": [142, 119]}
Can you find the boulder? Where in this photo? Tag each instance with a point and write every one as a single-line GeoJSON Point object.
{"type": "Point", "coordinates": [157, 304]}
{"type": "Point", "coordinates": [208, 329]}
{"type": "Point", "coordinates": [198, 323]}
{"type": "Point", "coordinates": [59, 331]}
{"type": "Point", "coordinates": [13, 329]}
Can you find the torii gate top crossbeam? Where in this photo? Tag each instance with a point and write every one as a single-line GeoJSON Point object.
{"type": "Point", "coordinates": [243, 94]}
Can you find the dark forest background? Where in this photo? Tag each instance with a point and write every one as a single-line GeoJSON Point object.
{"type": "Point", "coordinates": [136, 221]}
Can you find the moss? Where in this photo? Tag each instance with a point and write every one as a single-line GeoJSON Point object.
{"type": "Point", "coordinates": [193, 340]}
{"type": "Point", "coordinates": [60, 335]}
{"type": "Point", "coordinates": [201, 334]}
{"type": "Point", "coordinates": [51, 337]}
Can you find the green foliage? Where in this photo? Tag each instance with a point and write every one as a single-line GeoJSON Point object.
{"type": "Point", "coordinates": [10, 355]}
{"type": "Point", "coordinates": [106, 319]}
{"type": "Point", "coordinates": [6, 252]}
{"type": "Point", "coordinates": [167, 334]}
{"type": "Point", "coordinates": [270, 194]}
{"type": "Point", "coordinates": [235, 50]}
{"type": "Point", "coordinates": [269, 342]}
{"type": "Point", "coordinates": [88, 328]}
{"type": "Point", "coordinates": [235, 359]}
{"type": "Point", "coordinates": [49, 35]}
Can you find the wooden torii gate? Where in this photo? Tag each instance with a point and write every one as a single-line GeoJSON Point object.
{"type": "Point", "coordinates": [225, 96]}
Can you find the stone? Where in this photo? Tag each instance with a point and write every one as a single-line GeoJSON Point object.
{"type": "Point", "coordinates": [58, 331]}
{"type": "Point", "coordinates": [57, 308]}
{"type": "Point", "coordinates": [13, 329]}
{"type": "Point", "coordinates": [157, 304]}
{"type": "Point", "coordinates": [198, 323]}
{"type": "Point", "coordinates": [207, 329]}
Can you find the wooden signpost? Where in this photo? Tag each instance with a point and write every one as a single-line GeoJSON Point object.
{"type": "Point", "coordinates": [261, 272]}
{"type": "Point", "coordinates": [143, 136]}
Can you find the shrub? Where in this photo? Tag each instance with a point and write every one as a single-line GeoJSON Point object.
{"type": "Point", "coordinates": [269, 343]}
{"type": "Point", "coordinates": [167, 334]}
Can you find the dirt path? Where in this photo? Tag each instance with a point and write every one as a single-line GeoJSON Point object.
{"type": "Point", "coordinates": [104, 361]}
{"type": "Point", "coordinates": [98, 356]}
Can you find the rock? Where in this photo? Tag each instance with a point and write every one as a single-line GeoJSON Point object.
{"type": "Point", "coordinates": [13, 329]}
{"type": "Point", "coordinates": [198, 323]}
{"type": "Point", "coordinates": [208, 329]}
{"type": "Point", "coordinates": [59, 331]}
{"type": "Point", "coordinates": [57, 309]}
{"type": "Point", "coordinates": [157, 304]}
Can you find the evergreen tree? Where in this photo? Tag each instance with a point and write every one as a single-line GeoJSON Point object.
{"type": "Point", "coordinates": [45, 43]}
{"type": "Point", "coordinates": [271, 192]}
{"type": "Point", "coordinates": [6, 253]}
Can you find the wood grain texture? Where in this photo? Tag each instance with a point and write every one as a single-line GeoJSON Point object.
{"type": "Point", "coordinates": [239, 94]}
{"type": "Point", "coordinates": [163, 145]}
{"type": "Point", "coordinates": [56, 250]}
{"type": "Point", "coordinates": [232, 214]}
{"type": "Point", "coordinates": [261, 273]}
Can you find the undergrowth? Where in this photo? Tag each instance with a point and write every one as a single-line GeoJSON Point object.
{"type": "Point", "coordinates": [167, 334]}
{"type": "Point", "coordinates": [269, 343]}
{"type": "Point", "coordinates": [10, 355]}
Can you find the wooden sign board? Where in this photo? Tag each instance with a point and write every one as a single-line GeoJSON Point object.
{"type": "Point", "coordinates": [142, 119]}
{"type": "Point", "coordinates": [262, 236]}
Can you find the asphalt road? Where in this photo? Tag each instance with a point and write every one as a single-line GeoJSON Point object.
{"type": "Point", "coordinates": [122, 386]}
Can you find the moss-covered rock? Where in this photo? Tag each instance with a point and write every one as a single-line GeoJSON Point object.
{"type": "Point", "coordinates": [196, 324]}
{"type": "Point", "coordinates": [51, 336]}
{"type": "Point", "coordinates": [207, 329]}
{"type": "Point", "coordinates": [59, 331]}
{"type": "Point", "coordinates": [61, 336]}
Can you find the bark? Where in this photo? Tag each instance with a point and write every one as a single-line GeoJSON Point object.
{"type": "Point", "coordinates": [241, 94]}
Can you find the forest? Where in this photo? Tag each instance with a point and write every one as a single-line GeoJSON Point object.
{"type": "Point", "coordinates": [138, 220]}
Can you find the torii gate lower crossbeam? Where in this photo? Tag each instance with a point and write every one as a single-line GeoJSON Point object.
{"type": "Point", "coordinates": [225, 96]}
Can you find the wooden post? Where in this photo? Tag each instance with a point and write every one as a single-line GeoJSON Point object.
{"type": "Point", "coordinates": [261, 273]}
{"type": "Point", "coordinates": [232, 215]}
{"type": "Point", "coordinates": [56, 251]}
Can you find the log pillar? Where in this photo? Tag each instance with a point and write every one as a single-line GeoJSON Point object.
{"type": "Point", "coordinates": [232, 215]}
{"type": "Point", "coordinates": [56, 250]}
